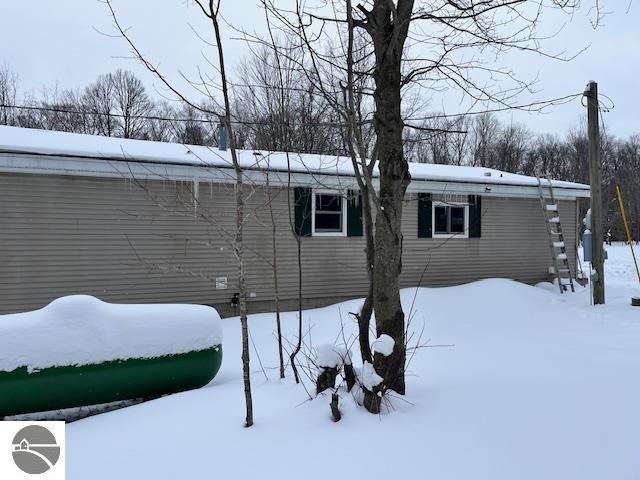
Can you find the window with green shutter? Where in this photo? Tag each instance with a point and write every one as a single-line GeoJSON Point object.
{"type": "Point", "coordinates": [302, 211]}
{"type": "Point", "coordinates": [354, 214]}
{"type": "Point", "coordinates": [475, 216]}
{"type": "Point", "coordinates": [449, 216]}
{"type": "Point", "coordinates": [322, 212]}
{"type": "Point", "coordinates": [450, 219]}
{"type": "Point", "coordinates": [425, 227]}
{"type": "Point", "coordinates": [329, 213]}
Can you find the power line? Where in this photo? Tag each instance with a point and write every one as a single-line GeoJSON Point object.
{"type": "Point", "coordinates": [186, 120]}
{"type": "Point", "coordinates": [310, 91]}
{"type": "Point", "coordinates": [527, 107]}
{"type": "Point", "coordinates": [161, 118]}
{"type": "Point", "coordinates": [537, 105]}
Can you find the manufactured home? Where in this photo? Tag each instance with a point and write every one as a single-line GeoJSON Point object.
{"type": "Point", "coordinates": [136, 221]}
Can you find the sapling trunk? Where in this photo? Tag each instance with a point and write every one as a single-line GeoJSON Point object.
{"type": "Point", "coordinates": [238, 240]}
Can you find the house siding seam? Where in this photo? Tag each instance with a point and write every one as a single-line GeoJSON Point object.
{"type": "Point", "coordinates": [62, 235]}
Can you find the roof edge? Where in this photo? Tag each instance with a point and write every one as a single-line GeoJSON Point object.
{"type": "Point", "coordinates": [75, 165]}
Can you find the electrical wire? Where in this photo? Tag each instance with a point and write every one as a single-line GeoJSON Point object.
{"type": "Point", "coordinates": [160, 118]}
{"type": "Point", "coordinates": [69, 111]}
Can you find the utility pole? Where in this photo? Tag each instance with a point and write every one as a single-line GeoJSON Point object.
{"type": "Point", "coordinates": [595, 178]}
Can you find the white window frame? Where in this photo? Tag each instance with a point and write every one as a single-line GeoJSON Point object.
{"type": "Point", "coordinates": [343, 203]}
{"type": "Point", "coordinates": [439, 203]}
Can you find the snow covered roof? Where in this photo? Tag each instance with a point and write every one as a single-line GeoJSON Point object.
{"type": "Point", "coordinates": [24, 141]}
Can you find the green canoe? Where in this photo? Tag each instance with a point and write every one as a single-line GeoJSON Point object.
{"type": "Point", "coordinates": [73, 386]}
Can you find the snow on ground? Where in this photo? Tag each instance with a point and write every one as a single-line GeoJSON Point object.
{"type": "Point", "coordinates": [81, 330]}
{"type": "Point", "coordinates": [537, 385]}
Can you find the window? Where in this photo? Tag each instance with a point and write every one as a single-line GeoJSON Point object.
{"type": "Point", "coordinates": [450, 219]}
{"type": "Point", "coordinates": [329, 215]}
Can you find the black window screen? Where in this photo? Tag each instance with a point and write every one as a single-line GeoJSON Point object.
{"type": "Point", "coordinates": [441, 220]}
{"type": "Point", "coordinates": [457, 219]}
{"type": "Point", "coordinates": [449, 219]}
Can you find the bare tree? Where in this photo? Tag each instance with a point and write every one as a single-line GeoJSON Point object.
{"type": "Point", "coordinates": [62, 111]}
{"type": "Point", "coordinates": [131, 103]}
{"type": "Point", "coordinates": [8, 94]}
{"type": "Point", "coordinates": [440, 140]}
{"type": "Point", "coordinates": [99, 99]}
{"type": "Point", "coordinates": [363, 160]}
{"type": "Point", "coordinates": [283, 109]}
{"type": "Point", "coordinates": [420, 44]}
{"type": "Point", "coordinates": [119, 103]}
{"type": "Point", "coordinates": [276, 289]}
{"type": "Point", "coordinates": [342, 87]}
{"type": "Point", "coordinates": [484, 131]}
{"type": "Point", "coordinates": [547, 155]}
{"type": "Point", "coordinates": [511, 147]}
{"type": "Point", "coordinates": [161, 130]}
{"type": "Point", "coordinates": [211, 10]}
{"type": "Point", "coordinates": [295, 231]}
{"type": "Point", "coordinates": [191, 131]}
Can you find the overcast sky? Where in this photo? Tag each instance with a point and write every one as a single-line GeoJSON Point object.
{"type": "Point", "coordinates": [51, 42]}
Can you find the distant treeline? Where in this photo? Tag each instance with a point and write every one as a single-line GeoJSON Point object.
{"type": "Point", "coordinates": [299, 119]}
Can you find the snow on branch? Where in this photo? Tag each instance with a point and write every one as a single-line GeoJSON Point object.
{"type": "Point", "coordinates": [383, 345]}
{"type": "Point", "coordinates": [369, 378]}
{"type": "Point", "coordinates": [331, 356]}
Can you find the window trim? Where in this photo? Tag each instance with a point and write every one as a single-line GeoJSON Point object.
{"type": "Point", "coordinates": [343, 204]}
{"type": "Point", "coordinates": [440, 203]}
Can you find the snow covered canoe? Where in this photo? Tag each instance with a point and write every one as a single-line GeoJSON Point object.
{"type": "Point", "coordinates": [80, 351]}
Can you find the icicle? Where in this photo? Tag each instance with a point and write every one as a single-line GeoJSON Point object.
{"type": "Point", "coordinates": [196, 189]}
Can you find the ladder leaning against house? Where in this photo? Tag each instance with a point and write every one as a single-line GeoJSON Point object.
{"type": "Point", "coordinates": [560, 261]}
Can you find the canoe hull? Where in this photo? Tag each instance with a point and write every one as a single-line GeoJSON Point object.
{"type": "Point", "coordinates": [74, 386]}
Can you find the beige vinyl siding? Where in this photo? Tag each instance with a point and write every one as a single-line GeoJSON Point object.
{"type": "Point", "coordinates": [514, 244]}
{"type": "Point", "coordinates": [127, 242]}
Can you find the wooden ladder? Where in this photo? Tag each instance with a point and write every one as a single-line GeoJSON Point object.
{"type": "Point", "coordinates": [551, 213]}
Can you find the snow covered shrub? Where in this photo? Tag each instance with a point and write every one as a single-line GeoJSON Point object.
{"type": "Point", "coordinates": [330, 360]}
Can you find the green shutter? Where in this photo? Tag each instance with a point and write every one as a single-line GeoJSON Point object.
{"type": "Point", "coordinates": [354, 214]}
{"type": "Point", "coordinates": [424, 215]}
{"type": "Point", "coordinates": [302, 206]}
{"type": "Point", "coordinates": [475, 216]}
